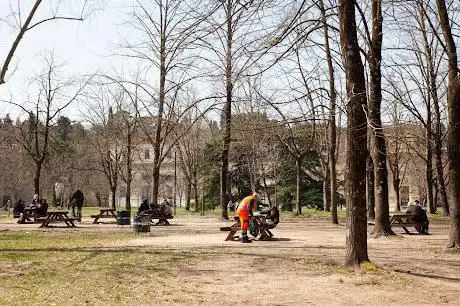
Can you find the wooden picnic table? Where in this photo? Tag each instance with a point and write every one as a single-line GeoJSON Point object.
{"type": "Point", "coordinates": [162, 219]}
{"type": "Point", "coordinates": [406, 220]}
{"type": "Point", "coordinates": [104, 213]}
{"type": "Point", "coordinates": [57, 217]}
{"type": "Point", "coordinates": [264, 228]}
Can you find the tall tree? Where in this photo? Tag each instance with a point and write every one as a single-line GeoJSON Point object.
{"type": "Point", "coordinates": [453, 134]}
{"type": "Point", "coordinates": [356, 237]}
{"type": "Point", "coordinates": [55, 94]}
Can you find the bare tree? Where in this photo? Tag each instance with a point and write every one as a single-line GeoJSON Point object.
{"type": "Point", "coordinates": [55, 94]}
{"type": "Point", "coordinates": [24, 26]}
{"type": "Point", "coordinates": [356, 237]}
{"type": "Point", "coordinates": [453, 134]}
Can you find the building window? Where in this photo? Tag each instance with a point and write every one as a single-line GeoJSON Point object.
{"type": "Point", "coordinates": [146, 154]}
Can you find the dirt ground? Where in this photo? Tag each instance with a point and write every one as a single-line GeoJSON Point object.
{"type": "Point", "coordinates": [303, 266]}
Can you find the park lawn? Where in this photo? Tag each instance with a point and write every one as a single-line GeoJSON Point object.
{"type": "Point", "coordinates": [69, 268]}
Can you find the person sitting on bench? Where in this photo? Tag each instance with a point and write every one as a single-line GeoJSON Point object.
{"type": "Point", "coordinates": [245, 211]}
{"type": "Point", "coordinates": [42, 208]}
{"type": "Point", "coordinates": [144, 206]}
{"type": "Point", "coordinates": [18, 208]}
{"type": "Point", "coordinates": [419, 215]}
{"type": "Point", "coordinates": [274, 215]}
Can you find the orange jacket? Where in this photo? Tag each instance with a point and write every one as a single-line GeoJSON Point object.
{"type": "Point", "coordinates": [248, 204]}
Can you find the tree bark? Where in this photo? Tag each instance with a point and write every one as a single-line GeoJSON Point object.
{"type": "Point", "coordinates": [113, 191]}
{"type": "Point", "coordinates": [227, 113]}
{"type": "Point", "coordinates": [188, 195]}
{"type": "Point", "coordinates": [38, 171]}
{"type": "Point", "coordinates": [370, 178]}
{"type": "Point", "coordinates": [267, 192]}
{"type": "Point", "coordinates": [159, 125]}
{"type": "Point", "coordinates": [429, 172]}
{"type": "Point", "coordinates": [327, 193]}
{"type": "Point", "coordinates": [18, 39]}
{"type": "Point", "coordinates": [378, 146]}
{"type": "Point", "coordinates": [298, 164]}
{"type": "Point", "coordinates": [396, 186]}
{"type": "Point", "coordinates": [453, 133]}
{"type": "Point", "coordinates": [356, 227]}
{"type": "Point", "coordinates": [332, 125]}
{"type": "Point", "coordinates": [129, 170]}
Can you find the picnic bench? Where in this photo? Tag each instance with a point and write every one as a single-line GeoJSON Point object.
{"type": "Point", "coordinates": [104, 213]}
{"type": "Point", "coordinates": [57, 217]}
{"type": "Point", "coordinates": [156, 214]}
{"type": "Point", "coordinates": [407, 220]}
{"type": "Point", "coordinates": [263, 226]}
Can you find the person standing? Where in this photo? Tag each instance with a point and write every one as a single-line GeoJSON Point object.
{"type": "Point", "coordinates": [245, 211]}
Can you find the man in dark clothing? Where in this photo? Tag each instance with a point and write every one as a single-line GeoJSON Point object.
{"type": "Point", "coordinates": [144, 206]}
{"type": "Point", "coordinates": [419, 216]}
{"type": "Point", "coordinates": [77, 200]}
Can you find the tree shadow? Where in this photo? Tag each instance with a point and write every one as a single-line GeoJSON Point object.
{"type": "Point", "coordinates": [439, 277]}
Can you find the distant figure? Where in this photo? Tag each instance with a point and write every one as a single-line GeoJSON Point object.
{"type": "Point", "coordinates": [231, 205]}
{"type": "Point", "coordinates": [273, 214]}
{"type": "Point", "coordinates": [18, 208]}
{"type": "Point", "coordinates": [42, 208]}
{"type": "Point", "coordinates": [166, 208]}
{"type": "Point", "coordinates": [144, 206]}
{"type": "Point", "coordinates": [419, 216]}
{"type": "Point", "coordinates": [77, 201]}
{"type": "Point", "coordinates": [35, 201]}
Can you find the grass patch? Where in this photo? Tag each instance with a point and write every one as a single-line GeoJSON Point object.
{"type": "Point", "coordinates": [69, 268]}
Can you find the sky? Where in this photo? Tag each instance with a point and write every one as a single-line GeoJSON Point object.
{"type": "Point", "coordinates": [82, 47]}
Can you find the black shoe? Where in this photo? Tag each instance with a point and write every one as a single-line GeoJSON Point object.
{"type": "Point", "coordinates": [246, 240]}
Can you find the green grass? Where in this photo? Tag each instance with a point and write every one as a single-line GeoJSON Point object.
{"type": "Point", "coordinates": [69, 268]}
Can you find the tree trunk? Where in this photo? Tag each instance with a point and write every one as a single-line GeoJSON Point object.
{"type": "Point", "coordinates": [159, 123]}
{"type": "Point", "coordinates": [370, 178]}
{"type": "Point", "coordinates": [396, 187]}
{"type": "Point", "coordinates": [453, 133]}
{"type": "Point", "coordinates": [196, 195]}
{"type": "Point", "coordinates": [267, 192]}
{"type": "Point", "coordinates": [188, 195]}
{"type": "Point", "coordinates": [429, 167]}
{"type": "Point", "coordinates": [298, 164]}
{"type": "Point", "coordinates": [38, 171]}
{"type": "Point", "coordinates": [327, 193]}
{"type": "Point", "coordinates": [356, 227]}
{"type": "Point", "coordinates": [113, 191]}
{"type": "Point", "coordinates": [332, 126]}
{"type": "Point", "coordinates": [440, 175]}
{"type": "Point", "coordinates": [155, 183]}
{"type": "Point", "coordinates": [378, 146]}
{"type": "Point", "coordinates": [227, 113]}
{"type": "Point", "coordinates": [98, 199]}
{"type": "Point", "coordinates": [453, 148]}
{"type": "Point", "coordinates": [129, 170]}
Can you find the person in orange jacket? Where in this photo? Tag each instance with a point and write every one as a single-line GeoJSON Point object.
{"type": "Point", "coordinates": [245, 211]}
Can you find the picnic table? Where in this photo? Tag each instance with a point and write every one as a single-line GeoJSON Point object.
{"type": "Point", "coordinates": [263, 226]}
{"type": "Point", "coordinates": [407, 220]}
{"type": "Point", "coordinates": [156, 214]}
{"type": "Point", "coordinates": [57, 217]}
{"type": "Point", "coordinates": [104, 213]}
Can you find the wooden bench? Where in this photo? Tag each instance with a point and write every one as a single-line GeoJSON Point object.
{"type": "Point", "coordinates": [103, 214]}
{"type": "Point", "coordinates": [405, 220]}
{"type": "Point", "coordinates": [264, 228]}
